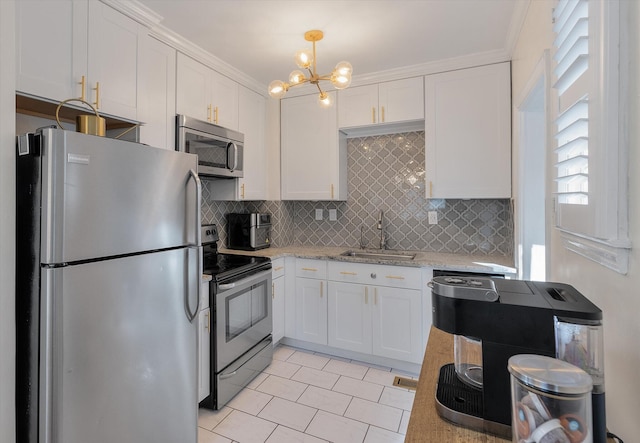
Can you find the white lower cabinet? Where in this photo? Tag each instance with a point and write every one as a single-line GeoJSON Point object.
{"type": "Point", "coordinates": [397, 324]}
{"type": "Point", "coordinates": [371, 309]}
{"type": "Point", "coordinates": [349, 315]}
{"type": "Point", "coordinates": [204, 343]}
{"type": "Point", "coordinates": [376, 320]}
{"type": "Point", "coordinates": [311, 310]}
{"type": "Point", "coordinates": [311, 301]}
{"type": "Point", "coordinates": [277, 295]}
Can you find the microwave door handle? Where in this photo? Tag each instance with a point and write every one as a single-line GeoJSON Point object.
{"type": "Point", "coordinates": [234, 165]}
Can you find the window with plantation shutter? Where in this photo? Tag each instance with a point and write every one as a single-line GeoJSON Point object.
{"type": "Point", "coordinates": [590, 150]}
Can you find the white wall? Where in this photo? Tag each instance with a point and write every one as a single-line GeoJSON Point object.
{"type": "Point", "coordinates": [7, 221]}
{"type": "Point", "coordinates": [617, 295]}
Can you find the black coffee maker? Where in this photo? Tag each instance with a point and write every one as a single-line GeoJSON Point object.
{"type": "Point", "coordinates": [494, 319]}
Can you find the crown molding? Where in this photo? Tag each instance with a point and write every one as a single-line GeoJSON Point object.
{"type": "Point", "coordinates": [515, 27]}
{"type": "Point", "coordinates": [151, 20]}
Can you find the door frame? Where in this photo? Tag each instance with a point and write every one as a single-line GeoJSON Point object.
{"type": "Point", "coordinates": [539, 78]}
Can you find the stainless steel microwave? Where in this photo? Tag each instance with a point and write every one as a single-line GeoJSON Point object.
{"type": "Point", "coordinates": [220, 150]}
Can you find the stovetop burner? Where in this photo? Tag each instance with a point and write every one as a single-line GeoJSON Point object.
{"type": "Point", "coordinates": [225, 267]}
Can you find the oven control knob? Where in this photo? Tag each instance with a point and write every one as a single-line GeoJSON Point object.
{"type": "Point", "coordinates": [373, 275]}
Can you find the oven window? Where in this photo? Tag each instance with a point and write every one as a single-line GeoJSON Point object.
{"type": "Point", "coordinates": [245, 309]}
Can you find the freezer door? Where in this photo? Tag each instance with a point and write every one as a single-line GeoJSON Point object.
{"type": "Point", "coordinates": [103, 197]}
{"type": "Point", "coordinates": [118, 355]}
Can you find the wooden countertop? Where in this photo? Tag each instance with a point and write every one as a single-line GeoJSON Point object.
{"type": "Point", "coordinates": [425, 425]}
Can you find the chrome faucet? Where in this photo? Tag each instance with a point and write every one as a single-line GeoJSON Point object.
{"type": "Point", "coordinates": [383, 237]}
{"type": "Point", "coordinates": [363, 243]}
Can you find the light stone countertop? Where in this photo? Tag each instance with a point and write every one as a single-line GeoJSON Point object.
{"type": "Point", "coordinates": [439, 260]}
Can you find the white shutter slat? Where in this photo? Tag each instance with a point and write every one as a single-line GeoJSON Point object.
{"type": "Point", "coordinates": [572, 135]}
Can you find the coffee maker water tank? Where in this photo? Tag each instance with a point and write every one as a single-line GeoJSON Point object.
{"type": "Point", "coordinates": [581, 343]}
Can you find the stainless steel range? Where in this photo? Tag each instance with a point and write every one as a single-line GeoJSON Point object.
{"type": "Point", "coordinates": [240, 297]}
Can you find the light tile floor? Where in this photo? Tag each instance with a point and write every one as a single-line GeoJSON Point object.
{"type": "Point", "coordinates": [310, 397]}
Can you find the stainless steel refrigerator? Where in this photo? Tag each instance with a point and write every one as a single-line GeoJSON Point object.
{"type": "Point", "coordinates": [108, 265]}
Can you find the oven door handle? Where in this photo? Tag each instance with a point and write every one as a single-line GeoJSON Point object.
{"type": "Point", "coordinates": [229, 375]}
{"type": "Point", "coordinates": [256, 277]}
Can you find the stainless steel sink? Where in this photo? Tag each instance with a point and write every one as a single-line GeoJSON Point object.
{"type": "Point", "coordinates": [386, 255]}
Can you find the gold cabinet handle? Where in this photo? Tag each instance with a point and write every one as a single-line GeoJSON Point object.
{"type": "Point", "coordinates": [373, 114]}
{"type": "Point", "coordinates": [331, 191]}
{"type": "Point", "coordinates": [395, 277]}
{"type": "Point", "coordinates": [430, 189]}
{"type": "Point", "coordinates": [382, 116]}
{"type": "Point", "coordinates": [208, 321]}
{"type": "Point", "coordinates": [242, 191]}
{"type": "Point", "coordinates": [366, 295]}
{"type": "Point", "coordinates": [348, 273]}
{"type": "Point", "coordinates": [215, 115]}
{"type": "Point", "coordinates": [209, 112]}
{"type": "Point", "coordinates": [277, 268]}
{"type": "Point", "coordinates": [310, 269]}
{"type": "Point", "coordinates": [83, 88]}
{"type": "Point", "coordinates": [97, 89]}
{"type": "Point", "coordinates": [321, 288]}
{"type": "Point", "coordinates": [375, 296]}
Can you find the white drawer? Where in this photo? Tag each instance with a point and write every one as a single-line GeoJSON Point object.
{"type": "Point", "coordinates": [277, 268]}
{"type": "Point", "coordinates": [374, 274]}
{"type": "Point", "coordinates": [310, 268]}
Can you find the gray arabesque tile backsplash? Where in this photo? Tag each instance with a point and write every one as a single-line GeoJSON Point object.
{"type": "Point", "coordinates": [385, 172]}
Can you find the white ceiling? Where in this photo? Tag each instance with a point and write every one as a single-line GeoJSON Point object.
{"type": "Point", "coordinates": [259, 37]}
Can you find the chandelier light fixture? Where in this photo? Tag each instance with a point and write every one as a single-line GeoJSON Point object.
{"type": "Point", "coordinates": [340, 77]}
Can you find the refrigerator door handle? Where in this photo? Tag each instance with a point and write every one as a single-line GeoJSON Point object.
{"type": "Point", "coordinates": [198, 207]}
{"type": "Point", "coordinates": [191, 315]}
{"type": "Point", "coordinates": [193, 283]}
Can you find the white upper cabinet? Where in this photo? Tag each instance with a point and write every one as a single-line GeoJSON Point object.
{"type": "Point", "coordinates": [156, 93]}
{"type": "Point", "coordinates": [78, 49]}
{"type": "Point", "coordinates": [251, 122]}
{"type": "Point", "coordinates": [51, 48]}
{"type": "Point", "coordinates": [113, 61]}
{"type": "Point", "coordinates": [193, 95]}
{"type": "Point", "coordinates": [206, 95]}
{"type": "Point", "coordinates": [314, 154]}
{"type": "Point", "coordinates": [225, 101]}
{"type": "Point", "coordinates": [252, 108]}
{"type": "Point", "coordinates": [468, 133]}
{"type": "Point", "coordinates": [388, 102]}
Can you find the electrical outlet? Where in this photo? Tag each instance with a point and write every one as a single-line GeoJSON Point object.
{"type": "Point", "coordinates": [333, 214]}
{"type": "Point", "coordinates": [318, 214]}
{"type": "Point", "coordinates": [433, 217]}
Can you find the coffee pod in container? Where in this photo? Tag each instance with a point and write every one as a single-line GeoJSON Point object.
{"type": "Point", "coordinates": [551, 400]}
{"type": "Point", "coordinates": [526, 420]}
{"type": "Point", "coordinates": [550, 432]}
{"type": "Point", "coordinates": [575, 428]}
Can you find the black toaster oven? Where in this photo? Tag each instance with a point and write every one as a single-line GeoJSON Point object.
{"type": "Point", "coordinates": [248, 231]}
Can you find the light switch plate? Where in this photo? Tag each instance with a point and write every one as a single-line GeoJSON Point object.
{"type": "Point", "coordinates": [433, 217]}
{"type": "Point", "coordinates": [318, 214]}
{"type": "Point", "coordinates": [333, 214]}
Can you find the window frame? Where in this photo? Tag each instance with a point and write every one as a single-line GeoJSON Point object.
{"type": "Point", "coordinates": [599, 229]}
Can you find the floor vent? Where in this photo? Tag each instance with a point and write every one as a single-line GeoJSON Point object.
{"type": "Point", "coordinates": [407, 383]}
